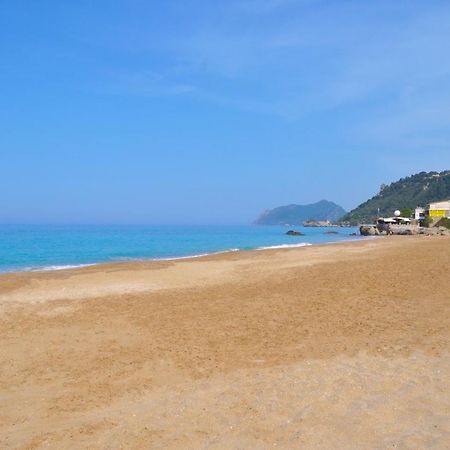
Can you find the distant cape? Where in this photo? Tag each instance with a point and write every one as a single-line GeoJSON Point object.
{"type": "Point", "coordinates": [297, 214]}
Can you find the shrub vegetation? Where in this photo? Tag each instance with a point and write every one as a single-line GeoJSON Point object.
{"type": "Point", "coordinates": [407, 193]}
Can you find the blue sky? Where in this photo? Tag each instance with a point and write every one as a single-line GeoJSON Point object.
{"type": "Point", "coordinates": [210, 112]}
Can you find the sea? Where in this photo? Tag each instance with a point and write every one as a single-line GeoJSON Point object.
{"type": "Point", "coordinates": [57, 247]}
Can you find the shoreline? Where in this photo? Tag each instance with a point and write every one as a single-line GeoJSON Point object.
{"type": "Point", "coordinates": [150, 276]}
{"type": "Point", "coordinates": [310, 347]}
{"type": "Point", "coordinates": [139, 276]}
{"type": "Point", "coordinates": [126, 260]}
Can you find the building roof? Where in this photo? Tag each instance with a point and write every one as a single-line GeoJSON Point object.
{"type": "Point", "coordinates": [394, 219]}
{"type": "Point", "coordinates": [444, 204]}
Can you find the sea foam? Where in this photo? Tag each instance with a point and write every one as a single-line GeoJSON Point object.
{"type": "Point", "coordinates": [269, 247]}
{"type": "Point", "coordinates": [57, 267]}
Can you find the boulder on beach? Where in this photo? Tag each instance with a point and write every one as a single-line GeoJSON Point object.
{"type": "Point", "coordinates": [369, 230]}
{"type": "Point", "coordinates": [434, 231]}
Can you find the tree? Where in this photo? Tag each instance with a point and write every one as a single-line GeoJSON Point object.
{"type": "Point", "coordinates": [445, 222]}
{"type": "Point", "coordinates": [420, 189]}
{"type": "Point", "coordinates": [427, 221]}
{"type": "Point", "coordinates": [406, 212]}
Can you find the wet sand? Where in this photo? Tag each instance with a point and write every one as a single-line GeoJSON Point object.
{"type": "Point", "coordinates": [333, 346]}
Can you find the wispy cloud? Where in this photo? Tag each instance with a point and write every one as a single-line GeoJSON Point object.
{"type": "Point", "coordinates": [294, 58]}
{"type": "Point", "coordinates": [329, 57]}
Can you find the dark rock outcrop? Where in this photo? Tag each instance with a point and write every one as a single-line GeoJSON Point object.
{"type": "Point", "coordinates": [294, 233]}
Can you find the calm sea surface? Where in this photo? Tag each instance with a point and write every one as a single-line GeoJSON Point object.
{"type": "Point", "coordinates": [52, 247]}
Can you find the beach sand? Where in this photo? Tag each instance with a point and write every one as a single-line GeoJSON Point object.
{"type": "Point", "coordinates": [334, 346]}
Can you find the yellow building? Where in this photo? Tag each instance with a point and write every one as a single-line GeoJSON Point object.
{"type": "Point", "coordinates": [439, 209]}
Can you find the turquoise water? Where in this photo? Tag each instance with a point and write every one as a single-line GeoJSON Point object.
{"type": "Point", "coordinates": [51, 247]}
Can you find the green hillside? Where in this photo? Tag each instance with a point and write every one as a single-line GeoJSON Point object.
{"type": "Point", "coordinates": [409, 192]}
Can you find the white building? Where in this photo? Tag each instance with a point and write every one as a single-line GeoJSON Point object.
{"type": "Point", "coordinates": [419, 213]}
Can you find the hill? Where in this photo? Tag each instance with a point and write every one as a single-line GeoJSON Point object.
{"type": "Point", "coordinates": [409, 192]}
{"type": "Point", "coordinates": [297, 214]}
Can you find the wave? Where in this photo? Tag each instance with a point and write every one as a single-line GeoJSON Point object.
{"type": "Point", "coordinates": [169, 258]}
{"type": "Point", "coordinates": [112, 260]}
{"type": "Point", "coordinates": [57, 267]}
{"type": "Point", "coordinates": [300, 244]}
{"type": "Point", "coordinates": [199, 255]}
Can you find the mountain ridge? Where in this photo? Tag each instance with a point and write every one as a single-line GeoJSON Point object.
{"type": "Point", "coordinates": [415, 190]}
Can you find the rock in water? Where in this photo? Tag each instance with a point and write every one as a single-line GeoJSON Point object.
{"type": "Point", "coordinates": [294, 233]}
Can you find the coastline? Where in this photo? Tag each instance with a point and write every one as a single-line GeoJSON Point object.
{"type": "Point", "coordinates": [316, 346]}
{"type": "Point", "coordinates": [45, 248]}
{"type": "Point", "coordinates": [126, 260]}
{"type": "Point", "coordinates": [53, 285]}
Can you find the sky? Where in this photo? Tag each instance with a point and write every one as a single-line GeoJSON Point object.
{"type": "Point", "coordinates": [195, 112]}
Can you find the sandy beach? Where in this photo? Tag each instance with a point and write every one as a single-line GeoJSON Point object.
{"type": "Point", "coordinates": [322, 347]}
